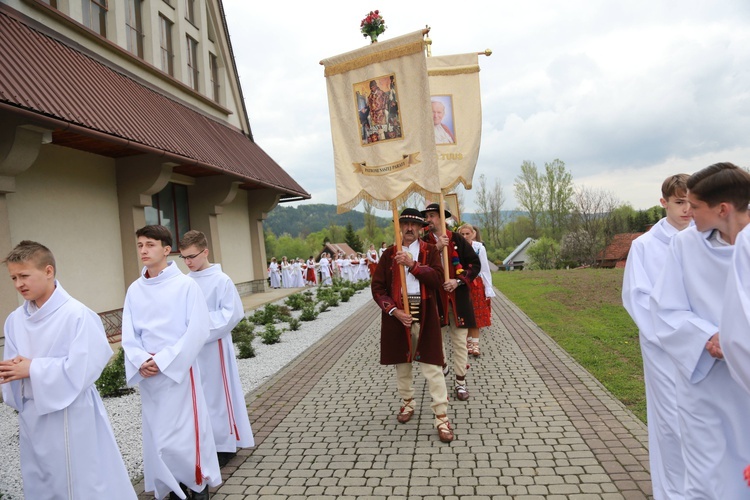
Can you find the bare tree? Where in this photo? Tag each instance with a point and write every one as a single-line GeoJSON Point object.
{"type": "Point", "coordinates": [592, 213]}
{"type": "Point", "coordinates": [530, 194]}
{"type": "Point", "coordinates": [490, 203]}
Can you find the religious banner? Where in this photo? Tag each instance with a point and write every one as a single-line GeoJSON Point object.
{"type": "Point", "coordinates": [383, 146]}
{"type": "Point", "coordinates": [456, 116]}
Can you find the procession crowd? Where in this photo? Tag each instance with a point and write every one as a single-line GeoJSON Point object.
{"type": "Point", "coordinates": [296, 273]}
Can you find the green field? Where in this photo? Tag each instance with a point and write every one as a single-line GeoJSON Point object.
{"type": "Point", "coordinates": [582, 311]}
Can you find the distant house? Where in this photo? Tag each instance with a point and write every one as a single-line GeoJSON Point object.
{"type": "Point", "coordinates": [335, 248]}
{"type": "Point", "coordinates": [616, 253]}
{"type": "Point", "coordinates": [519, 256]}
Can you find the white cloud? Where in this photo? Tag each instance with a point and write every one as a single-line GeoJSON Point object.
{"type": "Point", "coordinates": [624, 93]}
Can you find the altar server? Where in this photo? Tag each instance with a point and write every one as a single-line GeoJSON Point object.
{"type": "Point", "coordinates": [165, 324]}
{"type": "Point", "coordinates": [55, 349]}
{"type": "Point", "coordinates": [221, 379]}
{"type": "Point", "coordinates": [686, 305]}
{"type": "Point", "coordinates": [645, 260]}
{"type": "Point", "coordinates": [735, 320]}
{"type": "Point", "coordinates": [274, 274]}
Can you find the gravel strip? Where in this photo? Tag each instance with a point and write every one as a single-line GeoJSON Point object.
{"type": "Point", "coordinates": [125, 411]}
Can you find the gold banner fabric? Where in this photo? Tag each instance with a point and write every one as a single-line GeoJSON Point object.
{"type": "Point", "coordinates": [457, 116]}
{"type": "Point", "coordinates": [379, 102]}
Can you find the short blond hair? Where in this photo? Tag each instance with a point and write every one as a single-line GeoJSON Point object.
{"type": "Point", "coordinates": [192, 238]}
{"type": "Point", "coordinates": [31, 251]}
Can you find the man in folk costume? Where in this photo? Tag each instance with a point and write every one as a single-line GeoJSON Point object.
{"type": "Point", "coordinates": [222, 387]}
{"type": "Point", "coordinates": [415, 335]}
{"type": "Point", "coordinates": [686, 305]}
{"type": "Point", "coordinates": [165, 324]}
{"type": "Point", "coordinates": [455, 296]}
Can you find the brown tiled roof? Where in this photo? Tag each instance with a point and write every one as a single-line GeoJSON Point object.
{"type": "Point", "coordinates": [334, 248]}
{"type": "Point", "coordinates": [58, 86]}
{"type": "Point", "coordinates": [619, 248]}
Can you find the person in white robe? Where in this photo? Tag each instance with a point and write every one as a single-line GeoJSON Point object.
{"type": "Point", "coordinates": [287, 278]}
{"type": "Point", "coordinates": [222, 387]}
{"type": "Point", "coordinates": [55, 349]}
{"type": "Point", "coordinates": [297, 271]}
{"type": "Point", "coordinates": [339, 266]}
{"type": "Point", "coordinates": [325, 270]}
{"type": "Point", "coordinates": [165, 324]}
{"type": "Point", "coordinates": [346, 268]}
{"type": "Point", "coordinates": [645, 261]}
{"type": "Point", "coordinates": [686, 306]}
{"type": "Point", "coordinates": [735, 320]}
{"type": "Point", "coordinates": [274, 274]}
{"type": "Point", "coordinates": [362, 272]}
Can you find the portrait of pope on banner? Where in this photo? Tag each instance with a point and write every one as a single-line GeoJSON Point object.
{"type": "Point", "coordinates": [442, 119]}
{"type": "Point", "coordinates": [378, 110]}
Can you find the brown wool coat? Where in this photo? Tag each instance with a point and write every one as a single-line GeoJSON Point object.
{"type": "Point", "coordinates": [460, 300]}
{"type": "Point", "coordinates": [386, 290]}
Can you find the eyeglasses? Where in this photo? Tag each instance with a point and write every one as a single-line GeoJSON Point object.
{"type": "Point", "coordinates": [190, 257]}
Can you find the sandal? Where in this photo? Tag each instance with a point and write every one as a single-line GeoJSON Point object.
{"type": "Point", "coordinates": [445, 432]}
{"type": "Point", "coordinates": [406, 411]}
{"type": "Point", "coordinates": [462, 393]}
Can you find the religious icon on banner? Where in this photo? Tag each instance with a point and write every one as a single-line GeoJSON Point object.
{"type": "Point", "coordinates": [442, 119]}
{"type": "Point", "coordinates": [378, 109]}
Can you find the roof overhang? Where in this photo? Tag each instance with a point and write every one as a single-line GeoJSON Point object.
{"type": "Point", "coordinates": [93, 107]}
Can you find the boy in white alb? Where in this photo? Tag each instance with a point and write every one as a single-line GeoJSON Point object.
{"type": "Point", "coordinates": [735, 321]}
{"type": "Point", "coordinates": [686, 306]}
{"type": "Point", "coordinates": [55, 349]}
{"type": "Point", "coordinates": [645, 261]}
{"type": "Point", "coordinates": [165, 324]}
{"type": "Point", "coordinates": [221, 379]}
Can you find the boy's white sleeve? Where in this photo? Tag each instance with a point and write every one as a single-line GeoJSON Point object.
{"type": "Point", "coordinates": [135, 354]}
{"type": "Point", "coordinates": [11, 390]}
{"type": "Point", "coordinates": [57, 382]}
{"type": "Point", "coordinates": [230, 312]}
{"type": "Point", "coordinates": [734, 331]}
{"type": "Point", "coordinates": [637, 286]}
{"type": "Point", "coordinates": [681, 333]}
{"type": "Point", "coordinates": [176, 360]}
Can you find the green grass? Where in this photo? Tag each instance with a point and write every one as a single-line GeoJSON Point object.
{"type": "Point", "coordinates": [582, 311]}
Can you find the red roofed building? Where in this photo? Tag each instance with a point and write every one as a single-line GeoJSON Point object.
{"type": "Point", "coordinates": [616, 252]}
{"type": "Point", "coordinates": [118, 114]}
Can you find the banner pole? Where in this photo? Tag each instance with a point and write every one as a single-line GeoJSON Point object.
{"type": "Point", "coordinates": [401, 270]}
{"type": "Point", "coordinates": [446, 272]}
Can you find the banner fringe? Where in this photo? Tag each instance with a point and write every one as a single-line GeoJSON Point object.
{"type": "Point", "coordinates": [377, 57]}
{"type": "Point", "coordinates": [456, 70]}
{"type": "Point", "coordinates": [385, 204]}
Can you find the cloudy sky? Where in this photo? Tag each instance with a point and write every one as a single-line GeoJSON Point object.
{"type": "Point", "coordinates": [625, 93]}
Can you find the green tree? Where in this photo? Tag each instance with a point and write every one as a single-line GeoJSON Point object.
{"type": "Point", "coordinates": [351, 238]}
{"type": "Point", "coordinates": [270, 243]}
{"type": "Point", "coordinates": [293, 248]}
{"type": "Point", "coordinates": [544, 253]}
{"type": "Point", "coordinates": [371, 225]}
{"type": "Point", "coordinates": [530, 191]}
{"type": "Point", "coordinates": [558, 195]}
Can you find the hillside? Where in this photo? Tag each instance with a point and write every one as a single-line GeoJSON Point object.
{"type": "Point", "coordinates": [306, 219]}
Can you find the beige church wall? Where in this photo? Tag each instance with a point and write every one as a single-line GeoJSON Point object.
{"type": "Point", "coordinates": [234, 237]}
{"type": "Point", "coordinates": [67, 200]}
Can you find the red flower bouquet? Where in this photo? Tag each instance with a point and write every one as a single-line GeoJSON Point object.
{"type": "Point", "coordinates": [372, 25]}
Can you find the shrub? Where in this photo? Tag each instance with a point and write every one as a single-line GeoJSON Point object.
{"type": "Point", "coordinates": [346, 294]}
{"type": "Point", "coordinates": [112, 381]}
{"type": "Point", "coordinates": [267, 315]}
{"type": "Point", "coordinates": [294, 324]}
{"type": "Point", "coordinates": [243, 336]}
{"type": "Point", "coordinates": [308, 313]}
{"type": "Point", "coordinates": [271, 335]}
{"type": "Point", "coordinates": [323, 307]}
{"type": "Point", "coordinates": [297, 301]}
{"type": "Point", "coordinates": [331, 301]}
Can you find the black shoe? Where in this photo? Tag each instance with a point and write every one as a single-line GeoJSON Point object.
{"type": "Point", "coordinates": [203, 495]}
{"type": "Point", "coordinates": [185, 490]}
{"type": "Point", "coordinates": [224, 457]}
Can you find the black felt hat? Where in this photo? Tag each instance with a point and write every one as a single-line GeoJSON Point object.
{"type": "Point", "coordinates": [435, 207]}
{"type": "Point", "coordinates": [412, 215]}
